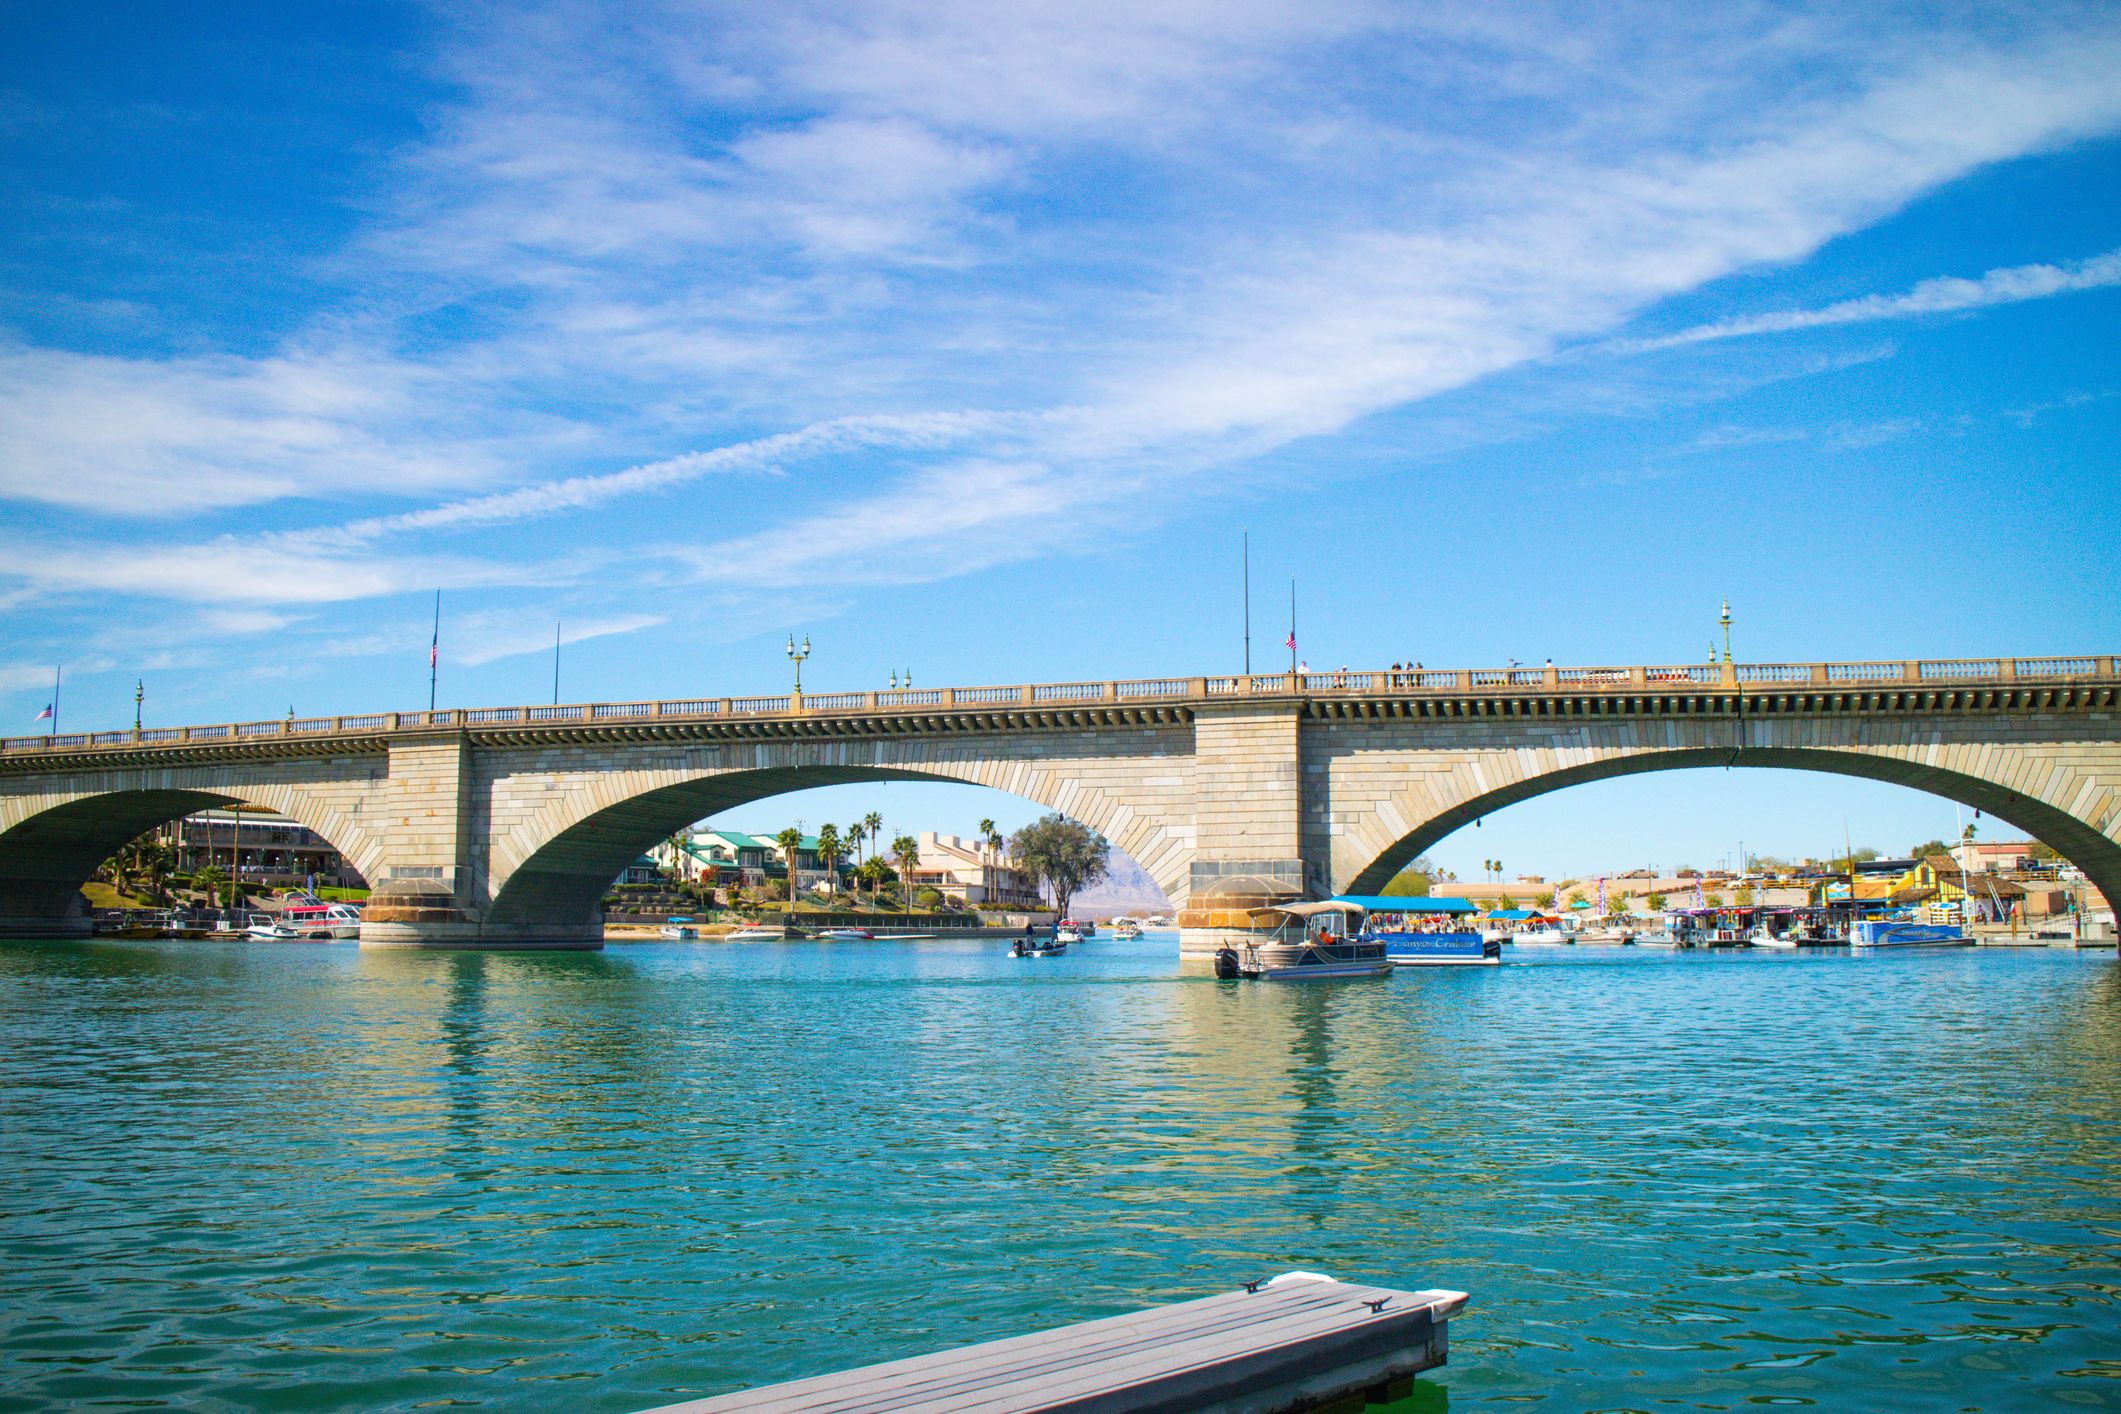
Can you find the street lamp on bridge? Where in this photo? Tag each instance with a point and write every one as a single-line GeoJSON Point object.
{"type": "Point", "coordinates": [796, 656]}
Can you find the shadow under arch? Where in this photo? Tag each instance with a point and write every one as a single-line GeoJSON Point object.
{"type": "Point", "coordinates": [49, 854]}
{"type": "Point", "coordinates": [563, 880]}
{"type": "Point", "coordinates": [2075, 839]}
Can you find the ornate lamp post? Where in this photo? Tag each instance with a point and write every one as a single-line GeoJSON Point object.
{"type": "Point", "coordinates": [796, 656]}
{"type": "Point", "coordinates": [1725, 620]}
{"type": "Point", "coordinates": [139, 697]}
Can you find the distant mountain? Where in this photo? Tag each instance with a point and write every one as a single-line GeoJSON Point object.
{"type": "Point", "coordinates": [1124, 889]}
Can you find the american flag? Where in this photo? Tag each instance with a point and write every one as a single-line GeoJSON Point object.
{"type": "Point", "coordinates": [45, 715]}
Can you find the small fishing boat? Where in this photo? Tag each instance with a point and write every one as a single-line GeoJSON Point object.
{"type": "Point", "coordinates": [1082, 928]}
{"type": "Point", "coordinates": [1036, 947]}
{"type": "Point", "coordinates": [1869, 934]}
{"type": "Point", "coordinates": [678, 930]}
{"type": "Point", "coordinates": [1124, 928]}
{"type": "Point", "coordinates": [272, 933]}
{"type": "Point", "coordinates": [1325, 946]}
{"type": "Point", "coordinates": [1068, 933]}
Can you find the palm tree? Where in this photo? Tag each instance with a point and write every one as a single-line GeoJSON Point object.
{"type": "Point", "coordinates": [994, 845]}
{"type": "Point", "coordinates": [212, 879]}
{"type": "Point", "coordinates": [791, 842]}
{"type": "Point", "coordinates": [907, 851]}
{"type": "Point", "coordinates": [873, 825]}
{"type": "Point", "coordinates": [828, 854]}
{"type": "Point", "coordinates": [153, 859]}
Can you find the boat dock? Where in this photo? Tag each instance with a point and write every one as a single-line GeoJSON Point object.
{"type": "Point", "coordinates": [1298, 1342]}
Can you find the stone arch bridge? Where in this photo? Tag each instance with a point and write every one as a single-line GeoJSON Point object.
{"type": "Point", "coordinates": [504, 827]}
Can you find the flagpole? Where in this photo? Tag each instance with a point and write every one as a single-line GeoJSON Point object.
{"type": "Point", "coordinates": [434, 652]}
{"type": "Point", "coordinates": [555, 662]}
{"type": "Point", "coordinates": [1292, 630]}
{"type": "Point", "coordinates": [1248, 603]}
{"type": "Point", "coordinates": [56, 671]}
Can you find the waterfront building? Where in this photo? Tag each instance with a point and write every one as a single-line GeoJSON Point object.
{"type": "Point", "coordinates": [973, 873]}
{"type": "Point", "coordinates": [268, 850]}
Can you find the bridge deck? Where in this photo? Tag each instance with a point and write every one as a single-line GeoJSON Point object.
{"type": "Point", "coordinates": [1295, 1344]}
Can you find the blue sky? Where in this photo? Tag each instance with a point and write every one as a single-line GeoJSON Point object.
{"type": "Point", "coordinates": [968, 338]}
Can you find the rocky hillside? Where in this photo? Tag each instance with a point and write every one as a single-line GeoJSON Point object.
{"type": "Point", "coordinates": [1125, 889]}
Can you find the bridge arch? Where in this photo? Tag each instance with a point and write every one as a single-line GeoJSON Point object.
{"type": "Point", "coordinates": [52, 841]}
{"type": "Point", "coordinates": [2066, 806]}
{"type": "Point", "coordinates": [558, 843]}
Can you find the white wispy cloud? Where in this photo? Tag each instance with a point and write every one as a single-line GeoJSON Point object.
{"type": "Point", "coordinates": [997, 268]}
{"type": "Point", "coordinates": [1944, 295]}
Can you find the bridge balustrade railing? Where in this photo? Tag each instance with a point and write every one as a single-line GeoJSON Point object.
{"type": "Point", "coordinates": [1956, 669]}
{"type": "Point", "coordinates": [1928, 670]}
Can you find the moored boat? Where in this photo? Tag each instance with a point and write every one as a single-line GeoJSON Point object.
{"type": "Point", "coordinates": [1878, 933]}
{"type": "Point", "coordinates": [321, 922]}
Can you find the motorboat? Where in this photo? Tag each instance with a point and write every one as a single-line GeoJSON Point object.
{"type": "Point", "coordinates": [846, 935]}
{"type": "Point", "coordinates": [1762, 937]}
{"type": "Point", "coordinates": [1124, 928]}
{"type": "Point", "coordinates": [322, 922]}
{"type": "Point", "coordinates": [753, 933]}
{"type": "Point", "coordinates": [273, 933]}
{"type": "Point", "coordinates": [1081, 927]}
{"type": "Point", "coordinates": [1067, 933]}
{"type": "Point", "coordinates": [1545, 935]}
{"type": "Point", "coordinates": [1869, 934]}
{"type": "Point", "coordinates": [1036, 947]}
{"type": "Point", "coordinates": [1607, 935]}
{"type": "Point", "coordinates": [678, 930]}
{"type": "Point", "coordinates": [1326, 946]}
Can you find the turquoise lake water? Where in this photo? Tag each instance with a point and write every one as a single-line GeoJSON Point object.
{"type": "Point", "coordinates": [241, 1176]}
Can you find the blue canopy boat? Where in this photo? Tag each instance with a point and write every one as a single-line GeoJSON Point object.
{"type": "Point", "coordinates": [1424, 932]}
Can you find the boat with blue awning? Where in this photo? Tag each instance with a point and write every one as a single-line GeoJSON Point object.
{"type": "Point", "coordinates": [1424, 932]}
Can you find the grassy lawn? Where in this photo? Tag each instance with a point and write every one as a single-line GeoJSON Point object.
{"type": "Point", "coordinates": [102, 895]}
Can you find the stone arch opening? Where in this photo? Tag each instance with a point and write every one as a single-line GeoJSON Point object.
{"type": "Point", "coordinates": [2076, 839]}
{"type": "Point", "coordinates": [52, 849]}
{"type": "Point", "coordinates": [562, 880]}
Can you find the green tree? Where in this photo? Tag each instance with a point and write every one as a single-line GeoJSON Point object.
{"type": "Point", "coordinates": [1930, 847]}
{"type": "Point", "coordinates": [876, 873]}
{"type": "Point", "coordinates": [1654, 902]}
{"type": "Point", "coordinates": [1744, 897]}
{"type": "Point", "coordinates": [907, 851]}
{"type": "Point", "coordinates": [1505, 903]}
{"type": "Point", "coordinates": [1413, 881]}
{"type": "Point", "coordinates": [872, 825]}
{"type": "Point", "coordinates": [828, 854]}
{"type": "Point", "coordinates": [213, 881]}
{"type": "Point", "coordinates": [1715, 900]}
{"type": "Point", "coordinates": [1544, 901]}
{"type": "Point", "coordinates": [790, 841]}
{"type": "Point", "coordinates": [1063, 855]}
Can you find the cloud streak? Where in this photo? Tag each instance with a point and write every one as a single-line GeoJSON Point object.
{"type": "Point", "coordinates": [1944, 295]}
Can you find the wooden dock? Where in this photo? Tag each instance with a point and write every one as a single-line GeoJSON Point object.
{"type": "Point", "coordinates": [1298, 1342]}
